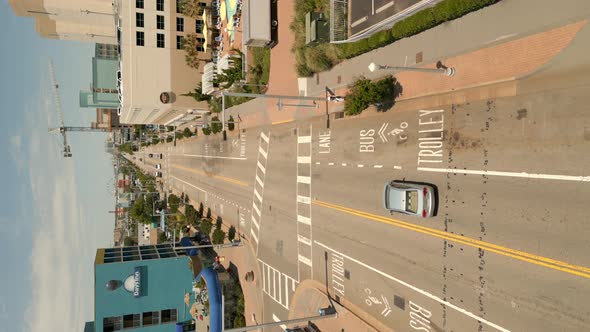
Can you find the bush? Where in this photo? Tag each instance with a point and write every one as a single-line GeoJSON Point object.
{"type": "Point", "coordinates": [230, 123]}
{"type": "Point", "coordinates": [231, 233]}
{"type": "Point", "coordinates": [364, 92]}
{"type": "Point", "coordinates": [169, 139]}
{"type": "Point", "coordinates": [215, 125]}
{"type": "Point", "coordinates": [379, 39]}
{"type": "Point", "coordinates": [155, 140]}
{"type": "Point", "coordinates": [206, 226]}
{"type": "Point", "coordinates": [303, 70]}
{"type": "Point", "coordinates": [421, 21]}
{"type": "Point", "coordinates": [218, 236]}
{"type": "Point", "coordinates": [187, 132]}
{"type": "Point", "coordinates": [173, 203]}
{"type": "Point", "coordinates": [206, 131]}
{"type": "Point", "coordinates": [317, 59]}
{"type": "Point", "coordinates": [191, 214]}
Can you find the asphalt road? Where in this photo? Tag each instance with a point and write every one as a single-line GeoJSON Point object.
{"type": "Point", "coordinates": [364, 14]}
{"type": "Point", "coordinates": [507, 250]}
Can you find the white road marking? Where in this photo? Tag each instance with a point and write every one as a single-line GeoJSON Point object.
{"type": "Point", "coordinates": [317, 162]}
{"type": "Point", "coordinates": [174, 177]}
{"type": "Point", "coordinates": [303, 199]}
{"type": "Point", "coordinates": [257, 195]}
{"type": "Point", "coordinates": [378, 166]}
{"type": "Point", "coordinates": [304, 179]}
{"type": "Point", "coordinates": [509, 174]}
{"type": "Point", "coordinates": [304, 220]}
{"type": "Point", "coordinates": [256, 208]}
{"type": "Point", "coordinates": [359, 21]}
{"type": "Point", "coordinates": [277, 319]}
{"type": "Point", "coordinates": [331, 164]}
{"type": "Point", "coordinates": [304, 139]}
{"type": "Point", "coordinates": [304, 240]}
{"type": "Point", "coordinates": [264, 137]}
{"type": "Point", "coordinates": [262, 152]}
{"type": "Point", "coordinates": [305, 260]}
{"type": "Point", "coordinates": [418, 290]}
{"type": "Point", "coordinates": [262, 168]}
{"type": "Point", "coordinates": [304, 160]}
{"type": "Point", "coordinates": [343, 164]}
{"type": "Point", "coordinates": [276, 289]}
{"type": "Point", "coordinates": [214, 157]}
{"type": "Point", "coordinates": [360, 165]}
{"type": "Point", "coordinates": [385, 6]}
{"type": "Point", "coordinates": [259, 181]}
{"type": "Point", "coordinates": [397, 167]}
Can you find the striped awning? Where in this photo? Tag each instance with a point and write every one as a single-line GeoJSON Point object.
{"type": "Point", "coordinates": [207, 78]}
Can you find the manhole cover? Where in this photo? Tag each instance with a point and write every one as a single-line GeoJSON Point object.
{"type": "Point", "coordinates": [399, 302]}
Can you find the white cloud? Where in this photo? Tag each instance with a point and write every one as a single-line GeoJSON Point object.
{"type": "Point", "coordinates": [62, 279]}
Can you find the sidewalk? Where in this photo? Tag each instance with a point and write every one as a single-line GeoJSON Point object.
{"type": "Point", "coordinates": [310, 296]}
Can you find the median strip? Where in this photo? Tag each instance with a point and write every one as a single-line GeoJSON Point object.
{"type": "Point", "coordinates": [504, 251]}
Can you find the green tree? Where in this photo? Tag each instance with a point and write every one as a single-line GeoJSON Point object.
{"type": "Point", "coordinates": [162, 237]}
{"type": "Point", "coordinates": [206, 131]}
{"type": "Point", "coordinates": [230, 123]}
{"type": "Point", "coordinates": [231, 233]}
{"type": "Point", "coordinates": [187, 132]}
{"type": "Point", "coordinates": [129, 241]}
{"type": "Point", "coordinates": [173, 203]}
{"type": "Point", "coordinates": [126, 148]}
{"type": "Point", "coordinates": [191, 214]}
{"type": "Point", "coordinates": [191, 8]}
{"type": "Point", "coordinates": [206, 226]}
{"type": "Point", "coordinates": [189, 45]}
{"type": "Point", "coordinates": [215, 125]}
{"type": "Point", "coordinates": [169, 139]}
{"type": "Point", "coordinates": [155, 140]}
{"type": "Point", "coordinates": [208, 213]}
{"type": "Point", "coordinates": [365, 92]}
{"type": "Point", "coordinates": [218, 236]}
{"type": "Point", "coordinates": [218, 222]}
{"type": "Point", "coordinates": [200, 213]}
{"type": "Point", "coordinates": [169, 128]}
{"type": "Point", "coordinates": [197, 94]}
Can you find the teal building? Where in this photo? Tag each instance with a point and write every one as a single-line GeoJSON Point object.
{"type": "Point", "coordinates": [104, 88]}
{"type": "Point", "coordinates": [143, 288]}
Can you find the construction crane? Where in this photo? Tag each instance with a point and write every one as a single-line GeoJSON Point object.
{"type": "Point", "coordinates": [62, 129]}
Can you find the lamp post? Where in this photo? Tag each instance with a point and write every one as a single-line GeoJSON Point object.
{"type": "Point", "coordinates": [448, 71]}
{"type": "Point", "coordinates": [324, 313]}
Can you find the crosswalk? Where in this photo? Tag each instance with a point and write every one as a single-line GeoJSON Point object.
{"type": "Point", "coordinates": [303, 204]}
{"type": "Point", "coordinates": [257, 196]}
{"type": "Point", "coordinates": [277, 285]}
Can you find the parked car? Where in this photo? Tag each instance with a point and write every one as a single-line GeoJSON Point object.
{"type": "Point", "coordinates": [158, 174]}
{"type": "Point", "coordinates": [151, 155]}
{"type": "Point", "coordinates": [160, 155]}
{"type": "Point", "coordinates": [411, 198]}
{"type": "Point", "coordinates": [158, 166]}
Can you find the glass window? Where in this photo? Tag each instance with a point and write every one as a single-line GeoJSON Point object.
{"type": "Point", "coordinates": [111, 324]}
{"type": "Point", "coordinates": [139, 4]}
{"type": "Point", "coordinates": [199, 24]}
{"type": "Point", "coordinates": [139, 20]}
{"type": "Point", "coordinates": [179, 42]}
{"type": "Point", "coordinates": [160, 41]}
{"type": "Point", "coordinates": [151, 318]}
{"type": "Point", "coordinates": [160, 22]}
{"type": "Point", "coordinates": [200, 48]}
{"type": "Point", "coordinates": [179, 24]}
{"type": "Point", "coordinates": [139, 38]}
{"type": "Point", "coordinates": [160, 5]}
{"type": "Point", "coordinates": [412, 201]}
{"type": "Point", "coordinates": [168, 315]}
{"type": "Point", "coordinates": [131, 321]}
{"type": "Point", "coordinates": [201, 40]}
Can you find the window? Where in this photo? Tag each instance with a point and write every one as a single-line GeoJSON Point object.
{"type": "Point", "coordinates": [199, 24]}
{"type": "Point", "coordinates": [160, 5]}
{"type": "Point", "coordinates": [179, 24]}
{"type": "Point", "coordinates": [139, 38]}
{"type": "Point", "coordinates": [160, 42]}
{"type": "Point", "coordinates": [412, 201]}
{"type": "Point", "coordinates": [200, 48]}
{"type": "Point", "coordinates": [168, 315]}
{"type": "Point", "coordinates": [201, 40]}
{"type": "Point", "coordinates": [160, 22]}
{"type": "Point", "coordinates": [179, 42]}
{"type": "Point", "coordinates": [202, 6]}
{"type": "Point", "coordinates": [151, 318]}
{"type": "Point", "coordinates": [139, 4]}
{"type": "Point", "coordinates": [139, 20]}
{"type": "Point", "coordinates": [178, 6]}
{"type": "Point", "coordinates": [111, 324]}
{"type": "Point", "coordinates": [131, 321]}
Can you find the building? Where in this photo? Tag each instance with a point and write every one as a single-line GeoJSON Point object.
{"type": "Point", "coordinates": [103, 91]}
{"type": "Point", "coordinates": [81, 20]}
{"type": "Point", "coordinates": [150, 288]}
{"type": "Point", "coordinates": [107, 119]}
{"type": "Point", "coordinates": [154, 73]}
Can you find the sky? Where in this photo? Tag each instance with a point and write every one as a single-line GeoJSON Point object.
{"type": "Point", "coordinates": [55, 211]}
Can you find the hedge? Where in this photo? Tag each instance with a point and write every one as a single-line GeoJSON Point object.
{"type": "Point", "coordinates": [423, 20]}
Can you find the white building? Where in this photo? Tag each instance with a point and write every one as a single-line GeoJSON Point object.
{"type": "Point", "coordinates": [154, 73]}
{"type": "Point", "coordinates": [82, 20]}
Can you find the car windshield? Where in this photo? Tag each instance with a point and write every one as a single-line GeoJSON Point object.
{"type": "Point", "coordinates": [412, 201]}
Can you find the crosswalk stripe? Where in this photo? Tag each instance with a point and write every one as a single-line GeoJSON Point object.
{"type": "Point", "coordinates": [256, 208]}
{"type": "Point", "coordinates": [304, 179]}
{"type": "Point", "coordinates": [262, 168]}
{"type": "Point", "coordinates": [264, 137]}
{"type": "Point", "coordinates": [304, 159]}
{"type": "Point", "coordinates": [255, 222]}
{"type": "Point", "coordinates": [259, 181]}
{"type": "Point", "coordinates": [303, 199]}
{"type": "Point", "coordinates": [258, 195]}
{"type": "Point", "coordinates": [305, 260]}
{"type": "Point", "coordinates": [304, 139]}
{"type": "Point", "coordinates": [304, 240]}
{"type": "Point", "coordinates": [262, 152]}
{"type": "Point", "coordinates": [304, 220]}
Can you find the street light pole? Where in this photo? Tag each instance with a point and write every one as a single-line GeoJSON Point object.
{"type": "Point", "coordinates": [448, 71]}
{"type": "Point", "coordinates": [330, 312]}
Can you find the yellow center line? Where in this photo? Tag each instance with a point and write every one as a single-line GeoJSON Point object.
{"type": "Point", "coordinates": [281, 122]}
{"type": "Point", "coordinates": [578, 270]}
{"type": "Point", "coordinates": [223, 178]}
